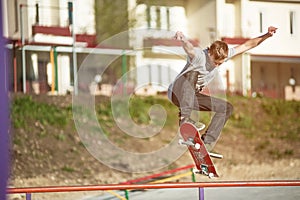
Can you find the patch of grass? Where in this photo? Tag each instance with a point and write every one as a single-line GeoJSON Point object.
{"type": "Point", "coordinates": [17, 141]}
{"type": "Point", "coordinates": [265, 117]}
{"type": "Point", "coordinates": [262, 145]}
{"type": "Point", "coordinates": [283, 118]}
{"type": "Point", "coordinates": [137, 109]}
{"type": "Point", "coordinates": [140, 107]}
{"type": "Point", "coordinates": [288, 152]}
{"type": "Point", "coordinates": [274, 118]}
{"type": "Point", "coordinates": [275, 107]}
{"type": "Point", "coordinates": [24, 109]}
{"type": "Point", "coordinates": [244, 123]}
{"type": "Point", "coordinates": [61, 137]}
{"type": "Point", "coordinates": [42, 133]}
{"type": "Point", "coordinates": [203, 117]}
{"type": "Point", "coordinates": [67, 169]}
{"type": "Point", "coordinates": [276, 153]}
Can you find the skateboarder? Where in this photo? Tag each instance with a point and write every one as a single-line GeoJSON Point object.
{"type": "Point", "coordinates": [200, 69]}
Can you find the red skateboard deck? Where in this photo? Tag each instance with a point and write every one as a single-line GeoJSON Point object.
{"type": "Point", "coordinates": [197, 149]}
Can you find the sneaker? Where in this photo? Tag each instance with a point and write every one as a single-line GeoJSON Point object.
{"type": "Point", "coordinates": [209, 147]}
{"type": "Point", "coordinates": [199, 126]}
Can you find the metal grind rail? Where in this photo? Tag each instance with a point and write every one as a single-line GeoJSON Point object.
{"type": "Point", "coordinates": [201, 185]}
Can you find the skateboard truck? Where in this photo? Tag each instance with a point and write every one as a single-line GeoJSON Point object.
{"type": "Point", "coordinates": [190, 142]}
{"type": "Point", "coordinates": [204, 170]}
{"type": "Point", "coordinates": [215, 155]}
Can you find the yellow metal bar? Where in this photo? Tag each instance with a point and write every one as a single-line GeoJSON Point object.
{"type": "Point", "coordinates": [53, 70]}
{"type": "Point", "coordinates": [116, 195]}
{"type": "Point", "coordinates": [173, 178]}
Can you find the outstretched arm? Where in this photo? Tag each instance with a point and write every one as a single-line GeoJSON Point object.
{"type": "Point", "coordinates": [187, 46]}
{"type": "Point", "coordinates": [251, 43]}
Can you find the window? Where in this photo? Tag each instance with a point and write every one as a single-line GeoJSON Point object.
{"type": "Point", "coordinates": [292, 22]}
{"type": "Point", "coordinates": [157, 17]}
{"type": "Point", "coordinates": [260, 22]}
{"type": "Point", "coordinates": [16, 10]}
{"type": "Point", "coordinates": [161, 17]}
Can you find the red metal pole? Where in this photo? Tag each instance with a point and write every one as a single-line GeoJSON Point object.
{"type": "Point", "coordinates": [15, 74]}
{"type": "Point", "coordinates": [15, 66]}
{"type": "Point", "coordinates": [155, 186]}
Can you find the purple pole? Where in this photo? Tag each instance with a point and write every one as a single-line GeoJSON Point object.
{"type": "Point", "coordinates": [201, 193]}
{"type": "Point", "coordinates": [4, 116]}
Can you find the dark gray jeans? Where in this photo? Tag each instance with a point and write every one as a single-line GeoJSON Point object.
{"type": "Point", "coordinates": [187, 99]}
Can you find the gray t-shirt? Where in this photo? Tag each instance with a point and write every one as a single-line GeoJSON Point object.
{"type": "Point", "coordinates": [202, 64]}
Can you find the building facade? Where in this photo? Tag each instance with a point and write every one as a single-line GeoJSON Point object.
{"type": "Point", "coordinates": [42, 40]}
{"type": "Point", "coordinates": [41, 37]}
{"type": "Point", "coordinates": [272, 69]}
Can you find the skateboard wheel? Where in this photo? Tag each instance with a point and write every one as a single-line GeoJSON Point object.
{"type": "Point", "coordinates": [180, 141]}
{"type": "Point", "coordinates": [196, 171]}
{"type": "Point", "coordinates": [211, 175]}
{"type": "Point", "coordinates": [197, 146]}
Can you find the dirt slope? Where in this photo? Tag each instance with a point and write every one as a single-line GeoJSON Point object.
{"type": "Point", "coordinates": [60, 158]}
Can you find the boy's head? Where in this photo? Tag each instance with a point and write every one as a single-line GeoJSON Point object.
{"type": "Point", "coordinates": [218, 52]}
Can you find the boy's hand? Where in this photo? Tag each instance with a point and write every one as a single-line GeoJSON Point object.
{"type": "Point", "coordinates": [179, 36]}
{"type": "Point", "coordinates": [272, 30]}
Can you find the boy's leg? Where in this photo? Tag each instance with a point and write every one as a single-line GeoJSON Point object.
{"type": "Point", "coordinates": [222, 109]}
{"type": "Point", "coordinates": [184, 95]}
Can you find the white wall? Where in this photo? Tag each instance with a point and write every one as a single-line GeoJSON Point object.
{"type": "Point", "coordinates": [64, 71]}
{"type": "Point", "coordinates": [273, 14]}
{"type": "Point", "coordinates": [201, 16]}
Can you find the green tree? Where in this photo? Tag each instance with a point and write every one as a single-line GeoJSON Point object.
{"type": "Point", "coordinates": [112, 18]}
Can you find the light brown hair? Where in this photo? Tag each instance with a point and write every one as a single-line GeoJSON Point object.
{"type": "Point", "coordinates": [219, 50]}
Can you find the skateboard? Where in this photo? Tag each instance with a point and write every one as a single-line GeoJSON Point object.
{"type": "Point", "coordinates": [201, 157]}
